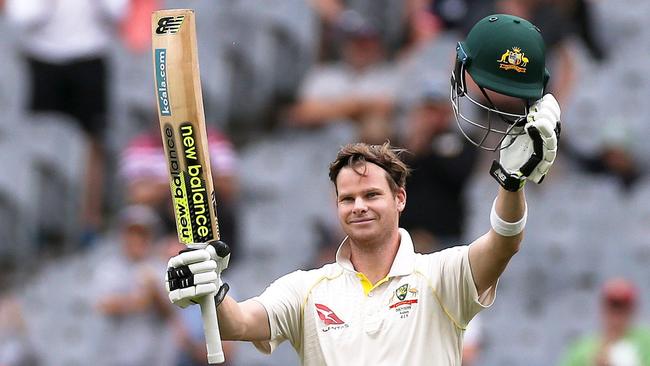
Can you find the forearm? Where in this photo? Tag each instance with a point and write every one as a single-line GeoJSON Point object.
{"type": "Point", "coordinates": [510, 206]}
{"type": "Point", "coordinates": [490, 254]}
{"type": "Point", "coordinates": [231, 324]}
{"type": "Point", "coordinates": [245, 321]}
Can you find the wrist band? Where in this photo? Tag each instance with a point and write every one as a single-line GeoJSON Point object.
{"type": "Point", "coordinates": [505, 228]}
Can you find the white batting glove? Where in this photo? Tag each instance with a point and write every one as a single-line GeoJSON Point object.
{"type": "Point", "coordinates": [532, 153]}
{"type": "Point", "coordinates": [195, 273]}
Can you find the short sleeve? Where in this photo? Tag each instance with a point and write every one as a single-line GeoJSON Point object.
{"type": "Point", "coordinates": [455, 284]}
{"type": "Point", "coordinates": [282, 301]}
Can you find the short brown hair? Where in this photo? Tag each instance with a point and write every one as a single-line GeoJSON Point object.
{"type": "Point", "coordinates": [385, 156]}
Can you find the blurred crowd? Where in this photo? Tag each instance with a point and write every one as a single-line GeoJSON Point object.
{"type": "Point", "coordinates": [85, 208]}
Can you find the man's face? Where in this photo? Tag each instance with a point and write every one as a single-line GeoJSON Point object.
{"type": "Point", "coordinates": [367, 208]}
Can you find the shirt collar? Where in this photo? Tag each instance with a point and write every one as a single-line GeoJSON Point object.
{"type": "Point", "coordinates": [404, 261]}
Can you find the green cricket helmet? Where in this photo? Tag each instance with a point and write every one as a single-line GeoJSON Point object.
{"type": "Point", "coordinates": [505, 54]}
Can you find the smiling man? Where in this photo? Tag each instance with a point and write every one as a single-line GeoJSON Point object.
{"type": "Point", "coordinates": [370, 199]}
{"type": "Point", "coordinates": [380, 303]}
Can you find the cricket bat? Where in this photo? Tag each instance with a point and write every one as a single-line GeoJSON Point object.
{"type": "Point", "coordinates": [182, 123]}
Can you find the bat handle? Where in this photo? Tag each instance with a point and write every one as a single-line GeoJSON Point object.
{"type": "Point", "coordinates": [211, 330]}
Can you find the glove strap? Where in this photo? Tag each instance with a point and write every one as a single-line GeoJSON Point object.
{"type": "Point", "coordinates": [221, 294]}
{"type": "Point", "coordinates": [509, 181]}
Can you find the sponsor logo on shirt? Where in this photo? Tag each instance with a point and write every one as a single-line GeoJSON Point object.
{"type": "Point", "coordinates": [330, 320]}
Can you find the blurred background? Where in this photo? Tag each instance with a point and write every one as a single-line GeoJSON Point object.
{"type": "Point", "coordinates": [85, 215]}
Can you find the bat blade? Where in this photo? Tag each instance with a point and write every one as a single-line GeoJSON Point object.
{"type": "Point", "coordinates": [182, 124]}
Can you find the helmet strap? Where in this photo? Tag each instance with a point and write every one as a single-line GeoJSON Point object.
{"type": "Point", "coordinates": [458, 78]}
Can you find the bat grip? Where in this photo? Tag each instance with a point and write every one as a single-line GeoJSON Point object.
{"type": "Point", "coordinates": [211, 330]}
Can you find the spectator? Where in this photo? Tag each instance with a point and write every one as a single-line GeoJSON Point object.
{"type": "Point", "coordinates": [580, 13]}
{"type": "Point", "coordinates": [144, 167]}
{"type": "Point", "coordinates": [131, 297]}
{"type": "Point", "coordinates": [442, 162]}
{"type": "Point", "coordinates": [421, 27]}
{"type": "Point", "coordinates": [329, 11]}
{"type": "Point", "coordinates": [388, 16]}
{"type": "Point", "coordinates": [613, 158]}
{"type": "Point", "coordinates": [427, 54]}
{"type": "Point", "coordinates": [451, 13]}
{"type": "Point", "coordinates": [620, 342]}
{"type": "Point", "coordinates": [65, 46]}
{"type": "Point", "coordinates": [361, 88]}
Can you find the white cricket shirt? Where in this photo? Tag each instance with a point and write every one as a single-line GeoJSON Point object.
{"type": "Point", "coordinates": [415, 316]}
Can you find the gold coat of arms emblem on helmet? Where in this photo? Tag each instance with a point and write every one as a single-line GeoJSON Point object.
{"type": "Point", "coordinates": [514, 59]}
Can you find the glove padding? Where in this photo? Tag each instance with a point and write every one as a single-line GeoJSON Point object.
{"type": "Point", "coordinates": [195, 273]}
{"type": "Point", "coordinates": [529, 154]}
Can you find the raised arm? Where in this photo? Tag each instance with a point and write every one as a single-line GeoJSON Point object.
{"type": "Point", "coordinates": [525, 157]}
{"type": "Point", "coordinates": [194, 274]}
{"type": "Point", "coordinates": [489, 254]}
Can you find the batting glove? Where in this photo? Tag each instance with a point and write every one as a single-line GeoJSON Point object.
{"type": "Point", "coordinates": [195, 273]}
{"type": "Point", "coordinates": [529, 154]}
